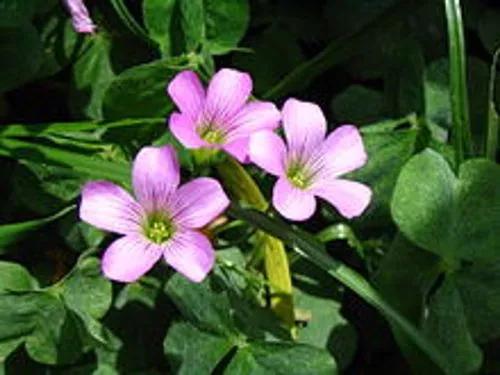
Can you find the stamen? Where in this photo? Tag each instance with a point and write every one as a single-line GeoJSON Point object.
{"type": "Point", "coordinates": [211, 134]}
{"type": "Point", "coordinates": [298, 175]}
{"type": "Point", "coordinates": [158, 228]}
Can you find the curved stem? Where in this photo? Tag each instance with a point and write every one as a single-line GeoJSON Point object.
{"type": "Point", "coordinates": [313, 250]}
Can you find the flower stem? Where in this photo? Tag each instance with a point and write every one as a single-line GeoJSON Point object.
{"type": "Point", "coordinates": [311, 249]}
{"type": "Point", "coordinates": [243, 188]}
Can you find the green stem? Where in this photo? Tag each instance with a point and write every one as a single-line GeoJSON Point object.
{"type": "Point", "coordinates": [243, 188]}
{"type": "Point", "coordinates": [458, 82]}
{"type": "Point", "coordinates": [314, 251]}
{"type": "Point", "coordinates": [492, 137]}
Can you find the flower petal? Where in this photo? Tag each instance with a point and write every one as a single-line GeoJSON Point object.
{"type": "Point", "coordinates": [109, 207]}
{"type": "Point", "coordinates": [184, 129]}
{"type": "Point", "coordinates": [343, 151]}
{"type": "Point", "coordinates": [80, 18]}
{"type": "Point", "coordinates": [191, 254]}
{"type": "Point", "coordinates": [227, 92]}
{"type": "Point", "coordinates": [198, 202]}
{"type": "Point", "coordinates": [238, 149]}
{"type": "Point", "coordinates": [130, 257]}
{"type": "Point", "coordinates": [304, 124]}
{"type": "Point", "coordinates": [268, 151]}
{"type": "Point", "coordinates": [155, 175]}
{"type": "Point", "coordinates": [291, 202]}
{"type": "Point", "coordinates": [253, 117]}
{"type": "Point", "coordinates": [350, 198]}
{"type": "Point", "coordinates": [187, 93]}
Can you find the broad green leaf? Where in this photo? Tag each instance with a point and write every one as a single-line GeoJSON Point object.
{"type": "Point", "coordinates": [346, 105]}
{"type": "Point", "coordinates": [19, 313]}
{"type": "Point", "coordinates": [60, 42]}
{"type": "Point", "coordinates": [388, 148]}
{"type": "Point", "coordinates": [145, 291]}
{"type": "Point", "coordinates": [140, 91]}
{"type": "Point", "coordinates": [405, 278]}
{"type": "Point", "coordinates": [56, 339]}
{"type": "Point", "coordinates": [11, 233]}
{"type": "Point", "coordinates": [318, 312]}
{"type": "Point", "coordinates": [447, 325]}
{"type": "Point", "coordinates": [449, 215]}
{"type": "Point", "coordinates": [92, 74]}
{"type": "Point", "coordinates": [479, 288]}
{"type": "Point", "coordinates": [201, 305]}
{"type": "Point", "coordinates": [85, 290]}
{"type": "Point", "coordinates": [217, 25]}
{"type": "Point", "coordinates": [191, 350]}
{"type": "Point", "coordinates": [308, 247]}
{"type": "Point", "coordinates": [158, 16]}
{"type": "Point", "coordinates": [21, 51]}
{"type": "Point", "coordinates": [15, 278]}
{"type": "Point", "coordinates": [281, 358]}
{"type": "Point", "coordinates": [406, 268]}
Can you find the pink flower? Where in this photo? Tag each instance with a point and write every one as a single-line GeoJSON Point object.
{"type": "Point", "coordinates": [163, 220]}
{"type": "Point", "coordinates": [309, 165]}
{"type": "Point", "coordinates": [82, 23]}
{"type": "Point", "coordinates": [221, 117]}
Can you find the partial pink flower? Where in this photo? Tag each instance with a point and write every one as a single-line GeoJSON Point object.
{"type": "Point", "coordinates": [82, 23]}
{"type": "Point", "coordinates": [162, 220]}
{"type": "Point", "coordinates": [310, 164]}
{"type": "Point", "coordinates": [220, 117]}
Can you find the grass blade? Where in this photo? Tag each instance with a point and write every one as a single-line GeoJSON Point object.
{"type": "Point", "coordinates": [461, 136]}
{"type": "Point", "coordinates": [314, 251]}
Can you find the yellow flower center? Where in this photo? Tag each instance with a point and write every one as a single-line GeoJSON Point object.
{"type": "Point", "coordinates": [158, 229]}
{"type": "Point", "coordinates": [211, 134]}
{"type": "Point", "coordinates": [298, 176]}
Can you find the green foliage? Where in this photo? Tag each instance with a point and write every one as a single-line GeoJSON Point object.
{"type": "Point", "coordinates": [411, 285]}
{"type": "Point", "coordinates": [445, 214]}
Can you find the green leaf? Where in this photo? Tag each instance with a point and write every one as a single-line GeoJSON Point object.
{"type": "Point", "coordinates": [15, 278]}
{"type": "Point", "coordinates": [21, 51]}
{"type": "Point", "coordinates": [447, 325]}
{"type": "Point", "coordinates": [158, 17]}
{"type": "Point", "coordinates": [213, 315]}
{"type": "Point", "coordinates": [445, 214]}
{"type": "Point", "coordinates": [59, 43]}
{"type": "Point", "coordinates": [191, 350]}
{"type": "Point", "coordinates": [140, 91]}
{"type": "Point", "coordinates": [85, 290]}
{"type": "Point", "coordinates": [388, 148]}
{"type": "Point", "coordinates": [318, 311]}
{"type": "Point", "coordinates": [56, 338]}
{"type": "Point", "coordinates": [479, 287]}
{"type": "Point", "coordinates": [87, 165]}
{"type": "Point", "coordinates": [11, 233]}
{"type": "Point", "coordinates": [218, 25]}
{"type": "Point", "coordinates": [311, 249]}
{"type": "Point", "coordinates": [92, 74]}
{"type": "Point", "coordinates": [281, 358]}
{"type": "Point", "coordinates": [347, 109]}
